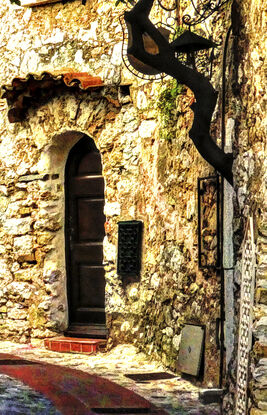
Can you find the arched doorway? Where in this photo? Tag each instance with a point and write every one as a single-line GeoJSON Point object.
{"type": "Point", "coordinates": [84, 233]}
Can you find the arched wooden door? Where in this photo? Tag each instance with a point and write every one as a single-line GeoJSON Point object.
{"type": "Point", "coordinates": [84, 232]}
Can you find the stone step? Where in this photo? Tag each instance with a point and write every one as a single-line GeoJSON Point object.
{"type": "Point", "coordinates": [89, 331]}
{"type": "Point", "coordinates": [75, 345]}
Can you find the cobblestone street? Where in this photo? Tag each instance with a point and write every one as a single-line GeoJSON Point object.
{"type": "Point", "coordinates": [17, 398]}
{"type": "Point", "coordinates": [176, 396]}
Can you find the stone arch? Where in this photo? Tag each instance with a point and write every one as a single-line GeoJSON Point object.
{"type": "Point", "coordinates": [55, 132]}
{"type": "Point", "coordinates": [54, 160]}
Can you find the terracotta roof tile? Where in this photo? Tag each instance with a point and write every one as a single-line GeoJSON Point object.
{"type": "Point", "coordinates": [85, 80]}
{"type": "Point", "coordinates": [24, 91]}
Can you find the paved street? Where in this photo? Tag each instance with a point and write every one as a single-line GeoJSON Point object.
{"type": "Point", "coordinates": [176, 396]}
{"type": "Point", "coordinates": [18, 398]}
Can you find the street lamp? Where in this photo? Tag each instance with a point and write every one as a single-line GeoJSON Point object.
{"type": "Point", "coordinates": [188, 43]}
{"type": "Point", "coordinates": [149, 55]}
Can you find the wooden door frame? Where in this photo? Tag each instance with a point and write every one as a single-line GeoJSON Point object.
{"type": "Point", "coordinates": [71, 162]}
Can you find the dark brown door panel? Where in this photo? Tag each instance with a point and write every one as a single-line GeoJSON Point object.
{"type": "Point", "coordinates": [89, 253]}
{"type": "Point", "coordinates": [85, 220]}
{"type": "Point", "coordinates": [90, 215]}
{"type": "Point", "coordinates": [87, 186]}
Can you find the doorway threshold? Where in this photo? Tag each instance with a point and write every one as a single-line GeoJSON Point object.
{"type": "Point", "coordinates": [90, 331]}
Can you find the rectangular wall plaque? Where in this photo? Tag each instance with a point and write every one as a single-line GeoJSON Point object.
{"type": "Point", "coordinates": [191, 350]}
{"type": "Point", "coordinates": [129, 248]}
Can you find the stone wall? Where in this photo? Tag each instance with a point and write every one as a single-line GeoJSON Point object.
{"type": "Point", "coordinates": [247, 114]}
{"type": "Point", "coordinates": [150, 169]}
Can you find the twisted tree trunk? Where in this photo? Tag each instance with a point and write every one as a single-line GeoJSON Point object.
{"type": "Point", "coordinates": [138, 23]}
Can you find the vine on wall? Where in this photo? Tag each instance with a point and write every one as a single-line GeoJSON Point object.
{"type": "Point", "coordinates": [167, 105]}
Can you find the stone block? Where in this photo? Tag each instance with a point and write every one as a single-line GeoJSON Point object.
{"type": "Point", "coordinates": [255, 411]}
{"type": "Point", "coordinates": [17, 325]}
{"type": "Point", "coordinates": [25, 211]}
{"type": "Point", "coordinates": [23, 275]}
{"type": "Point", "coordinates": [176, 341]}
{"type": "Point", "coordinates": [260, 328]}
{"type": "Point", "coordinates": [3, 190]}
{"type": "Point", "coordinates": [262, 258]}
{"type": "Point", "coordinates": [262, 243]}
{"type": "Point", "coordinates": [3, 203]}
{"type": "Point", "coordinates": [45, 305]}
{"type": "Point", "coordinates": [133, 293]}
{"type": "Point", "coordinates": [32, 177]}
{"type": "Point", "coordinates": [42, 334]}
{"type": "Point", "coordinates": [261, 296]}
{"type": "Point", "coordinates": [39, 256]}
{"type": "Point", "coordinates": [18, 226]}
{"type": "Point", "coordinates": [259, 312]}
{"type": "Point", "coordinates": [260, 350]}
{"type": "Point", "coordinates": [116, 58]}
{"type": "Point", "coordinates": [263, 227]}
{"type": "Point", "coordinates": [262, 283]}
{"type": "Point", "coordinates": [261, 271]}
{"type": "Point", "coordinates": [36, 317]}
{"type": "Point", "coordinates": [260, 394]}
{"type": "Point", "coordinates": [130, 117]}
{"type": "Point", "coordinates": [18, 313]}
{"type": "Point", "coordinates": [51, 224]}
{"type": "Point", "coordinates": [5, 274]}
{"type": "Point", "coordinates": [259, 373]}
{"type": "Point", "coordinates": [23, 244]}
{"type": "Point", "coordinates": [26, 258]}
{"type": "Point", "coordinates": [141, 100]}
{"type": "Point", "coordinates": [20, 289]}
{"type": "Point", "coordinates": [112, 209]}
{"type": "Point", "coordinates": [263, 405]}
{"type": "Point", "coordinates": [169, 331]}
{"type": "Point", "coordinates": [18, 195]}
{"type": "Point", "coordinates": [147, 128]}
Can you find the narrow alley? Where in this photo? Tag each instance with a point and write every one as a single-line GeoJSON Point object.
{"type": "Point", "coordinates": [133, 220]}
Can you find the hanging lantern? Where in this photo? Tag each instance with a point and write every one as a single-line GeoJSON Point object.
{"type": "Point", "coordinates": [190, 43]}
{"type": "Point", "coordinates": [150, 47]}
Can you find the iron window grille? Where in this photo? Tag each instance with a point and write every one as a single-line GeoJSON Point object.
{"type": "Point", "coordinates": [129, 248]}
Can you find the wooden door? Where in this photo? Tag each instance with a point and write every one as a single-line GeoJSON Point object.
{"type": "Point", "coordinates": [84, 190]}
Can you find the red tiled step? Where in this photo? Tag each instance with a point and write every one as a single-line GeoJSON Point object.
{"type": "Point", "coordinates": [75, 345]}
